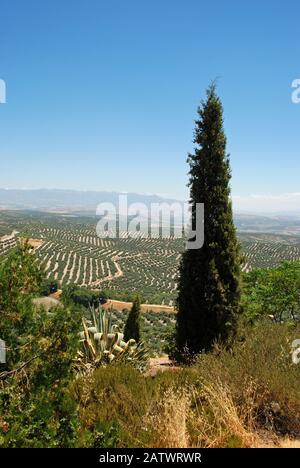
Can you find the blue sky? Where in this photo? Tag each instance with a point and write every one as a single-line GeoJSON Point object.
{"type": "Point", "coordinates": [102, 95]}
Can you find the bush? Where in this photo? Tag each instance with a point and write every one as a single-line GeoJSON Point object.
{"type": "Point", "coordinates": [259, 369]}
{"type": "Point", "coordinates": [34, 400]}
{"type": "Point", "coordinates": [35, 408]}
{"type": "Point", "coordinates": [112, 395]}
{"type": "Point", "coordinates": [20, 280]}
{"type": "Point", "coordinates": [120, 396]}
{"type": "Point", "coordinates": [49, 287]}
{"type": "Point", "coordinates": [274, 292]}
{"type": "Point", "coordinates": [224, 400]}
{"type": "Point", "coordinates": [72, 294]}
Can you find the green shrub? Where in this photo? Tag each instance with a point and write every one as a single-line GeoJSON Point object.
{"type": "Point", "coordinates": [115, 394]}
{"type": "Point", "coordinates": [35, 408]}
{"type": "Point", "coordinates": [85, 297]}
{"type": "Point", "coordinates": [274, 292]}
{"type": "Point", "coordinates": [48, 287]}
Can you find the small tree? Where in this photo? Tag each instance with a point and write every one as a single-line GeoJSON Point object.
{"type": "Point", "coordinates": [34, 399]}
{"type": "Point", "coordinates": [35, 407]}
{"type": "Point", "coordinates": [20, 279]}
{"type": "Point", "coordinates": [132, 326]}
{"type": "Point", "coordinates": [73, 294]}
{"type": "Point", "coordinates": [48, 287]}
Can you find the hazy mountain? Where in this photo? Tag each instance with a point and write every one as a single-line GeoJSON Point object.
{"type": "Point", "coordinates": [86, 202]}
{"type": "Point", "coordinates": [280, 224]}
{"type": "Point", "coordinates": [68, 200]}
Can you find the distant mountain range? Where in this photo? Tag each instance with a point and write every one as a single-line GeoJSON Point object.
{"type": "Point", "coordinates": [86, 202]}
{"type": "Point", "coordinates": [278, 224]}
{"type": "Point", "coordinates": [56, 200]}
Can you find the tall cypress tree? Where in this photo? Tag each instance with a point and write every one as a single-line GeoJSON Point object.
{"type": "Point", "coordinates": [208, 290]}
{"type": "Point", "coordinates": [132, 326]}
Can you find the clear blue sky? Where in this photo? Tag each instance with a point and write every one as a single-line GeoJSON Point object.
{"type": "Point", "coordinates": [102, 95]}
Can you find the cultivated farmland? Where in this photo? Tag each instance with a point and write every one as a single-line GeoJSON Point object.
{"type": "Point", "coordinates": [269, 250]}
{"type": "Point", "coordinates": [71, 252]}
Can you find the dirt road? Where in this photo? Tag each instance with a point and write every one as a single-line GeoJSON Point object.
{"type": "Point", "coordinates": [121, 305]}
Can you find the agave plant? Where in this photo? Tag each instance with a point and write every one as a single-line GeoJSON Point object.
{"type": "Point", "coordinates": [103, 343]}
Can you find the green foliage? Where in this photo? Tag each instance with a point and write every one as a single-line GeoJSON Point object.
{"type": "Point", "coordinates": [34, 401]}
{"type": "Point", "coordinates": [257, 379]}
{"type": "Point", "coordinates": [112, 395]}
{"type": "Point", "coordinates": [48, 287]}
{"type": "Point", "coordinates": [20, 279]}
{"type": "Point", "coordinates": [120, 295]}
{"type": "Point", "coordinates": [72, 294]}
{"type": "Point", "coordinates": [209, 290]}
{"type": "Point", "coordinates": [132, 326]}
{"type": "Point", "coordinates": [103, 344]}
{"type": "Point", "coordinates": [121, 397]}
{"type": "Point", "coordinates": [156, 328]}
{"type": "Point", "coordinates": [105, 436]}
{"type": "Point", "coordinates": [274, 292]}
{"type": "Point", "coordinates": [35, 408]}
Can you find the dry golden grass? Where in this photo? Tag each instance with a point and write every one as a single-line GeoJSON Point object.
{"type": "Point", "coordinates": [168, 421]}
{"type": "Point", "coordinates": [186, 418]}
{"type": "Point", "coordinates": [288, 443]}
{"type": "Point", "coordinates": [247, 396]}
{"type": "Point", "coordinates": [218, 422]}
{"type": "Point", "coordinates": [269, 440]}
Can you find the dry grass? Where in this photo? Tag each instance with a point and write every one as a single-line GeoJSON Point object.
{"type": "Point", "coordinates": [217, 421]}
{"type": "Point", "coordinates": [205, 417]}
{"type": "Point", "coordinates": [168, 421]}
{"type": "Point", "coordinates": [244, 397]}
{"type": "Point", "coordinates": [267, 440]}
{"type": "Point", "coordinates": [288, 443]}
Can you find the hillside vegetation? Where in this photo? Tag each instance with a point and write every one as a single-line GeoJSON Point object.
{"type": "Point", "coordinates": [71, 252]}
{"type": "Point", "coordinates": [224, 398]}
{"type": "Point", "coordinates": [74, 373]}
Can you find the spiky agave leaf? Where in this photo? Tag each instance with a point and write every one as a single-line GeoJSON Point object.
{"type": "Point", "coordinates": [102, 343]}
